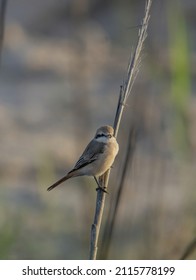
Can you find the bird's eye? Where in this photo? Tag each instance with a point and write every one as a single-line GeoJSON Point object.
{"type": "Point", "coordinates": [110, 135]}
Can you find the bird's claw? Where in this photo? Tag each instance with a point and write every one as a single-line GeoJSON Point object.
{"type": "Point", "coordinates": [102, 189]}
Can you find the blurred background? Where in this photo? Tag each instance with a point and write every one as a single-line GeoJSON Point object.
{"type": "Point", "coordinates": [62, 65]}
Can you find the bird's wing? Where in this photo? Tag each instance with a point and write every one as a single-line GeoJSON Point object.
{"type": "Point", "coordinates": [90, 154]}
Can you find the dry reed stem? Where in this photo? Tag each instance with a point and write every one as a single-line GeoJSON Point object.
{"type": "Point", "coordinates": [107, 235]}
{"type": "Point", "coordinates": [189, 250]}
{"type": "Point", "coordinates": [3, 4]}
{"type": "Point", "coordinates": [125, 90]}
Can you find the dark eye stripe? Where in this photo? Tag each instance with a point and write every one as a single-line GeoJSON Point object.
{"type": "Point", "coordinates": [103, 135]}
{"type": "Point", "coordinates": [99, 135]}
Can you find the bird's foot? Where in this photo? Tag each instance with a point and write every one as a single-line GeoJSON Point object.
{"type": "Point", "coordinates": [99, 186]}
{"type": "Point", "coordinates": [102, 189]}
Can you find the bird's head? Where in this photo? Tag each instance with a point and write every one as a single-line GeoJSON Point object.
{"type": "Point", "coordinates": [104, 133]}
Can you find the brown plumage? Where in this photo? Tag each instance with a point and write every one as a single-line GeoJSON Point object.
{"type": "Point", "coordinates": [96, 159]}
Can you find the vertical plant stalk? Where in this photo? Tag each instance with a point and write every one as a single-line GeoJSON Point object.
{"type": "Point", "coordinates": [189, 250]}
{"type": "Point", "coordinates": [3, 4]}
{"type": "Point", "coordinates": [125, 90]}
{"type": "Point", "coordinates": [107, 235]}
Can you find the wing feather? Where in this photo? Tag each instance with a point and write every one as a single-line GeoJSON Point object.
{"type": "Point", "coordinates": [90, 154]}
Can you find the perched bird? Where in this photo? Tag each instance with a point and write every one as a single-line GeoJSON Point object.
{"type": "Point", "coordinates": [96, 159]}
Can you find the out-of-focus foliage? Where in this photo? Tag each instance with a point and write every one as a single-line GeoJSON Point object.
{"type": "Point", "coordinates": [180, 74]}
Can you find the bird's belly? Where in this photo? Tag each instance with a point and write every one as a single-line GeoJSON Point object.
{"type": "Point", "coordinates": [104, 162]}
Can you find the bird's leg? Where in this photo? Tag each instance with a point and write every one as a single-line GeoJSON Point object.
{"type": "Point", "coordinates": [99, 186]}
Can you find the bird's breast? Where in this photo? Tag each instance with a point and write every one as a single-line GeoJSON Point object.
{"type": "Point", "coordinates": [106, 159]}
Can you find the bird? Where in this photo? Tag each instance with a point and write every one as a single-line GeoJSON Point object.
{"type": "Point", "coordinates": [97, 158]}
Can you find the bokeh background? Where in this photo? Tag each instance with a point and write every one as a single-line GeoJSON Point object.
{"type": "Point", "coordinates": [62, 66]}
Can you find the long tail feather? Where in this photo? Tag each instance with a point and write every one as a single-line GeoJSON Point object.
{"type": "Point", "coordinates": [59, 182]}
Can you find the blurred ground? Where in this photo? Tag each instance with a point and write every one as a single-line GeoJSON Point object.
{"type": "Point", "coordinates": [62, 66]}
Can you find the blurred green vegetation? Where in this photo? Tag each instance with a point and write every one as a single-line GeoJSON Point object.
{"type": "Point", "coordinates": [8, 237]}
{"type": "Point", "coordinates": [180, 75]}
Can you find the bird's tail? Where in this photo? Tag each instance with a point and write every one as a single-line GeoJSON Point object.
{"type": "Point", "coordinates": [66, 177]}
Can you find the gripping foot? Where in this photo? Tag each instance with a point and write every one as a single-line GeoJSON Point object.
{"type": "Point", "coordinates": [99, 186]}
